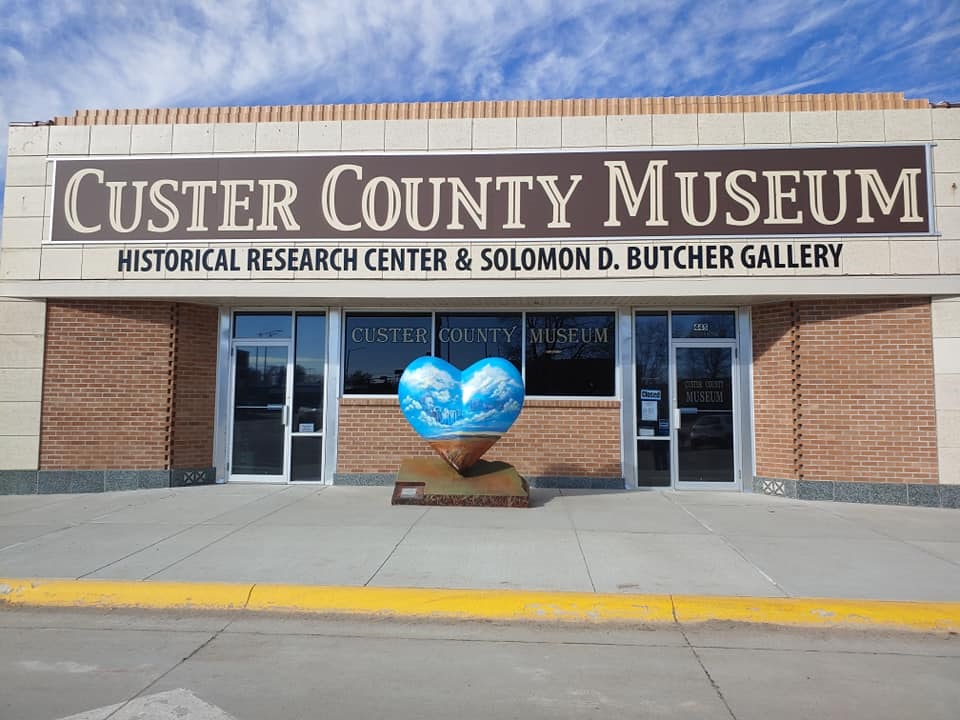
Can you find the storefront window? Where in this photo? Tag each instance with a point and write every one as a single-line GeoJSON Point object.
{"type": "Point", "coordinates": [262, 326]}
{"type": "Point", "coordinates": [306, 458]}
{"type": "Point", "coordinates": [653, 375]}
{"type": "Point", "coordinates": [653, 463]}
{"type": "Point", "coordinates": [571, 354]}
{"type": "Point", "coordinates": [704, 325]}
{"type": "Point", "coordinates": [308, 366]}
{"type": "Point", "coordinates": [377, 348]}
{"type": "Point", "coordinates": [464, 338]}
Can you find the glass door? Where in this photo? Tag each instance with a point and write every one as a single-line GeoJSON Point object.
{"type": "Point", "coordinates": [260, 411]}
{"type": "Point", "coordinates": [278, 374]}
{"type": "Point", "coordinates": [704, 423]}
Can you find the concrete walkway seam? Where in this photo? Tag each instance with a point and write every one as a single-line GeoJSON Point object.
{"type": "Point", "coordinates": [496, 605]}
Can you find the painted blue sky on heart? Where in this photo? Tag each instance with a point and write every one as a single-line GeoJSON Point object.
{"type": "Point", "coordinates": [440, 401]}
{"type": "Point", "coordinates": [60, 55]}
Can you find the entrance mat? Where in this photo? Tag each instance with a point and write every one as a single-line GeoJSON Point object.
{"type": "Point", "coordinates": [432, 481]}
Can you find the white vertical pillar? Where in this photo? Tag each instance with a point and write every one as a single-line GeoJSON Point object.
{"type": "Point", "coordinates": [222, 414]}
{"type": "Point", "coordinates": [745, 399]}
{"type": "Point", "coordinates": [945, 314]}
{"type": "Point", "coordinates": [628, 395]}
{"type": "Point", "coordinates": [331, 392]}
{"type": "Point", "coordinates": [22, 325]}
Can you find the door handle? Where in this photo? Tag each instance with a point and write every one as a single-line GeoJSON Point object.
{"type": "Point", "coordinates": [285, 415]}
{"type": "Point", "coordinates": [676, 418]}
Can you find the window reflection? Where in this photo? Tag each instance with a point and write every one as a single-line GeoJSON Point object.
{"type": "Point", "coordinates": [260, 389]}
{"type": "Point", "coordinates": [653, 374]}
{"type": "Point", "coordinates": [378, 347]}
{"type": "Point", "coordinates": [261, 376]}
{"type": "Point", "coordinates": [571, 354]}
{"type": "Point", "coordinates": [306, 459]}
{"type": "Point", "coordinates": [705, 400]}
{"type": "Point", "coordinates": [653, 463]}
{"type": "Point", "coordinates": [308, 373]}
{"type": "Point", "coordinates": [261, 325]}
{"type": "Point", "coordinates": [704, 325]}
{"type": "Point", "coordinates": [464, 338]}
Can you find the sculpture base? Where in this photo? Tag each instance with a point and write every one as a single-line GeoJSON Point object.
{"type": "Point", "coordinates": [431, 481]}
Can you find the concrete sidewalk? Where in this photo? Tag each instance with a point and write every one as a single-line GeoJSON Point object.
{"type": "Point", "coordinates": [657, 542]}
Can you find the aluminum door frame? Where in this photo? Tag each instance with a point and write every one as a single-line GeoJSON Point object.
{"type": "Point", "coordinates": [285, 413]}
{"type": "Point", "coordinates": [732, 344]}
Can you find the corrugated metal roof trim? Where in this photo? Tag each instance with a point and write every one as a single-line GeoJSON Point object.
{"type": "Point", "coordinates": [495, 109]}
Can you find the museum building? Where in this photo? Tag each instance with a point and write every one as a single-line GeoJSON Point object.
{"type": "Point", "coordinates": [751, 293]}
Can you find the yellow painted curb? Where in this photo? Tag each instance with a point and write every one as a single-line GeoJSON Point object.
{"type": "Point", "coordinates": [465, 604]}
{"type": "Point", "coordinates": [819, 612]}
{"type": "Point", "coordinates": [502, 605]}
{"type": "Point", "coordinates": [123, 594]}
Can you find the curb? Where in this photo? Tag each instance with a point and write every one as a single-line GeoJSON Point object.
{"type": "Point", "coordinates": [499, 605]}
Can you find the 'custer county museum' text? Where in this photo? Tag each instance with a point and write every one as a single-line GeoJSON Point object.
{"type": "Point", "coordinates": [649, 194]}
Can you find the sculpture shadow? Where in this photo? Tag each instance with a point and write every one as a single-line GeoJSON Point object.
{"type": "Point", "coordinates": [542, 495]}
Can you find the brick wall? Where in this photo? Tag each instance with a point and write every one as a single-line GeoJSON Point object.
{"type": "Point", "coordinates": [107, 386]}
{"type": "Point", "coordinates": [775, 400]}
{"type": "Point", "coordinates": [868, 398]}
{"type": "Point", "coordinates": [549, 438]}
{"type": "Point", "coordinates": [128, 385]}
{"type": "Point", "coordinates": [843, 390]}
{"type": "Point", "coordinates": [861, 383]}
{"type": "Point", "coordinates": [194, 386]}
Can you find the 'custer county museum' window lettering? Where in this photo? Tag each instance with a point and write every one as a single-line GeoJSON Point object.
{"type": "Point", "coordinates": [378, 347]}
{"type": "Point", "coordinates": [571, 354]}
{"type": "Point", "coordinates": [567, 353]}
{"type": "Point", "coordinates": [464, 338]}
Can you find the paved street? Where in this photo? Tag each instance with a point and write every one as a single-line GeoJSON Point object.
{"type": "Point", "coordinates": [127, 665]}
{"type": "Point", "coordinates": [58, 663]}
{"type": "Point", "coordinates": [588, 541]}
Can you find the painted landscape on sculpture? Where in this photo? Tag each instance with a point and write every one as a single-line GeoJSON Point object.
{"type": "Point", "coordinates": [461, 414]}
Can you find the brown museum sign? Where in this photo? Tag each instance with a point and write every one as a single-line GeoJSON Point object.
{"type": "Point", "coordinates": [788, 192]}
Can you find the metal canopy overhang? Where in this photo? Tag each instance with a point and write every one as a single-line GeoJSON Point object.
{"type": "Point", "coordinates": [490, 293]}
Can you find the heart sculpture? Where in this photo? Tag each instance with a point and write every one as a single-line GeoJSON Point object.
{"type": "Point", "coordinates": [461, 414]}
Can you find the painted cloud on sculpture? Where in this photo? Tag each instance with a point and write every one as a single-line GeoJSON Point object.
{"type": "Point", "coordinates": [440, 401]}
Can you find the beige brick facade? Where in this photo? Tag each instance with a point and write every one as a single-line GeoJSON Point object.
{"type": "Point", "coordinates": [946, 359]}
{"type": "Point", "coordinates": [854, 367]}
{"type": "Point", "coordinates": [21, 380]}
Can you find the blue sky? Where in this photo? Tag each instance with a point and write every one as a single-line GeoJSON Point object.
{"type": "Point", "coordinates": [60, 55]}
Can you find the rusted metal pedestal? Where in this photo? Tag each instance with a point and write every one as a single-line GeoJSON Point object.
{"type": "Point", "coordinates": [432, 481]}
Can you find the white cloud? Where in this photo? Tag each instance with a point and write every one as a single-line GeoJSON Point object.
{"type": "Point", "coordinates": [429, 420]}
{"type": "Point", "coordinates": [490, 380]}
{"type": "Point", "coordinates": [60, 55]}
{"type": "Point", "coordinates": [510, 406]}
{"type": "Point", "coordinates": [481, 418]}
{"type": "Point", "coordinates": [429, 376]}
